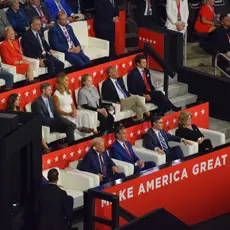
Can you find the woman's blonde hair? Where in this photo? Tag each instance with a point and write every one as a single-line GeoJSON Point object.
{"type": "Point", "coordinates": [6, 31]}
{"type": "Point", "coordinates": [183, 118]}
{"type": "Point", "coordinates": [84, 78]}
{"type": "Point", "coordinates": [59, 84]}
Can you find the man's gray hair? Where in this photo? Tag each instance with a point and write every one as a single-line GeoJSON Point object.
{"type": "Point", "coordinates": [110, 68]}
{"type": "Point", "coordinates": [97, 140]}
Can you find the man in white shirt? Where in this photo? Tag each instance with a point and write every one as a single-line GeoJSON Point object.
{"type": "Point", "coordinates": [157, 139]}
{"type": "Point", "coordinates": [113, 89]}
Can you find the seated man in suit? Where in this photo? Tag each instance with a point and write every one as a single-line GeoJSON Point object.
{"type": "Point", "coordinates": [98, 161]}
{"type": "Point", "coordinates": [113, 89]}
{"type": "Point", "coordinates": [63, 39]}
{"type": "Point", "coordinates": [44, 106]}
{"type": "Point", "coordinates": [54, 206]}
{"type": "Point", "coordinates": [37, 9]}
{"type": "Point", "coordinates": [157, 139]}
{"type": "Point", "coordinates": [122, 150]}
{"type": "Point", "coordinates": [55, 6]}
{"type": "Point", "coordinates": [35, 46]}
{"type": "Point", "coordinates": [139, 83]}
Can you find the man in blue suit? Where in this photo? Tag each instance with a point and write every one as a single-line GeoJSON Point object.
{"type": "Point", "coordinates": [122, 150]}
{"type": "Point", "coordinates": [98, 161]}
{"type": "Point", "coordinates": [55, 6]}
{"type": "Point", "coordinates": [157, 139]}
{"type": "Point", "coordinates": [63, 39]}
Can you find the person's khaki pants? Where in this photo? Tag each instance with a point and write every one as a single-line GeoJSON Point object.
{"type": "Point", "coordinates": [135, 103]}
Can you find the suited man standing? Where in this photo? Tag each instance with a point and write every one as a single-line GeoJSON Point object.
{"type": "Point", "coordinates": [63, 39]}
{"type": "Point", "coordinates": [98, 161]}
{"type": "Point", "coordinates": [44, 106]}
{"type": "Point", "coordinates": [54, 206]}
{"type": "Point", "coordinates": [3, 23]}
{"type": "Point", "coordinates": [113, 89]}
{"type": "Point", "coordinates": [122, 150]}
{"type": "Point", "coordinates": [139, 83]}
{"type": "Point", "coordinates": [104, 22]}
{"type": "Point", "coordinates": [76, 5]}
{"type": "Point", "coordinates": [157, 139]}
{"type": "Point", "coordinates": [37, 9]}
{"type": "Point", "coordinates": [35, 46]}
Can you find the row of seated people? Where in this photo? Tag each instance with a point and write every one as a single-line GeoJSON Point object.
{"type": "Point", "coordinates": [33, 44]}
{"type": "Point", "coordinates": [113, 91]}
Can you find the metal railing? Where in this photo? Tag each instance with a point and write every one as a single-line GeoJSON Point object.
{"type": "Point", "coordinates": [217, 67]}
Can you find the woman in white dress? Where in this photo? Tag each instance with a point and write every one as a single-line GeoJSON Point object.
{"type": "Point", "coordinates": [177, 15]}
{"type": "Point", "coordinates": [63, 100]}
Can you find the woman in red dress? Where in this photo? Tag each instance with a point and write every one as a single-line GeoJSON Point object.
{"type": "Point", "coordinates": [11, 54]}
{"type": "Point", "coordinates": [205, 22]}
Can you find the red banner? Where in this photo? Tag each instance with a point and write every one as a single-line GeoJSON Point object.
{"type": "Point", "coordinates": [156, 41]}
{"type": "Point", "coordinates": [193, 191]}
{"type": "Point", "coordinates": [63, 157]}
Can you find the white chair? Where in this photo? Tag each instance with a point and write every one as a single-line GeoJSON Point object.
{"type": "Point", "coordinates": [2, 82]}
{"type": "Point", "coordinates": [148, 155]}
{"type": "Point", "coordinates": [74, 184]}
{"type": "Point", "coordinates": [94, 48]}
{"type": "Point", "coordinates": [217, 138]}
{"type": "Point", "coordinates": [46, 134]}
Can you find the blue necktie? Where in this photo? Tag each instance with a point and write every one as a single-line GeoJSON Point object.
{"type": "Point", "coordinates": [121, 90]}
{"type": "Point", "coordinates": [49, 109]}
{"type": "Point", "coordinates": [163, 142]}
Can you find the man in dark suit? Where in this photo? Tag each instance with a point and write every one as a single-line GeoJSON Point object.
{"type": "Point", "coordinates": [122, 150]}
{"type": "Point", "coordinates": [113, 89]}
{"type": "Point", "coordinates": [63, 39]}
{"type": "Point", "coordinates": [157, 139]}
{"type": "Point", "coordinates": [37, 9]}
{"type": "Point", "coordinates": [104, 22]}
{"type": "Point", "coordinates": [44, 106]}
{"type": "Point", "coordinates": [35, 46]}
{"type": "Point", "coordinates": [76, 5]}
{"type": "Point", "coordinates": [54, 206]}
{"type": "Point", "coordinates": [98, 161]}
{"type": "Point", "coordinates": [139, 83]}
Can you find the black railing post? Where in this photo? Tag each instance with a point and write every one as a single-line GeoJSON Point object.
{"type": "Point", "coordinates": [115, 212]}
{"type": "Point", "coordinates": [89, 211]}
{"type": "Point", "coordinates": [166, 82]}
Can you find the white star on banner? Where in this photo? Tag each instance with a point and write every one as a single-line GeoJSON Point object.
{"type": "Point", "coordinates": [123, 65]}
{"type": "Point", "coordinates": [71, 154]}
{"type": "Point", "coordinates": [101, 71]}
{"type": "Point", "coordinates": [140, 38]}
{"type": "Point", "coordinates": [195, 114]}
{"type": "Point", "coordinates": [48, 162]}
{"type": "Point", "coordinates": [143, 39]}
{"type": "Point", "coordinates": [56, 159]}
{"type": "Point", "coordinates": [147, 40]}
{"type": "Point", "coordinates": [167, 123]}
{"type": "Point", "coordinates": [130, 63]}
{"type": "Point", "coordinates": [72, 80]}
{"type": "Point", "coordinates": [87, 149]}
{"type": "Point", "coordinates": [26, 93]}
{"type": "Point", "coordinates": [154, 42]}
{"type": "Point", "coordinates": [19, 95]}
{"type": "Point", "coordinates": [34, 91]}
{"type": "Point", "coordinates": [146, 129]}
{"type": "Point", "coordinates": [110, 141]}
{"type": "Point", "coordinates": [174, 120]}
{"type": "Point", "coordinates": [79, 151]}
{"type": "Point", "coordinates": [117, 67]}
{"type": "Point", "coordinates": [202, 111]}
{"type": "Point", "coordinates": [3, 100]}
{"type": "Point", "coordinates": [64, 156]}
{"type": "Point", "coordinates": [94, 73]}
{"type": "Point", "coordinates": [79, 78]}
{"type": "Point", "coordinates": [89, 27]}
{"type": "Point", "coordinates": [139, 132]}
{"type": "Point", "coordinates": [131, 134]}
{"type": "Point", "coordinates": [151, 41]}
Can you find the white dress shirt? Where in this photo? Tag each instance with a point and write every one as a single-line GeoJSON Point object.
{"type": "Point", "coordinates": [63, 30]}
{"type": "Point", "coordinates": [120, 94]}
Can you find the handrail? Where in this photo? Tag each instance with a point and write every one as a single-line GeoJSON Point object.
{"type": "Point", "coordinates": [216, 64]}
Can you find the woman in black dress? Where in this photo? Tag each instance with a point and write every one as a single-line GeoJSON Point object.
{"type": "Point", "coordinates": [191, 132]}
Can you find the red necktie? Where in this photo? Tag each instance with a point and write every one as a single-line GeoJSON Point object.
{"type": "Point", "coordinates": [127, 150]}
{"type": "Point", "coordinates": [146, 81]}
{"type": "Point", "coordinates": [43, 18]}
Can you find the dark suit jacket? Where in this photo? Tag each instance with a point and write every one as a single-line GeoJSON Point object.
{"type": "Point", "coordinates": [52, 208]}
{"type": "Point", "coordinates": [151, 140]}
{"type": "Point", "coordinates": [109, 92]}
{"type": "Point", "coordinates": [118, 152]}
{"type": "Point", "coordinates": [32, 12]}
{"type": "Point", "coordinates": [58, 40]}
{"type": "Point", "coordinates": [189, 134]}
{"type": "Point", "coordinates": [90, 163]}
{"type": "Point", "coordinates": [136, 84]}
{"type": "Point", "coordinates": [105, 12]}
{"type": "Point", "coordinates": [73, 4]}
{"type": "Point", "coordinates": [31, 46]}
